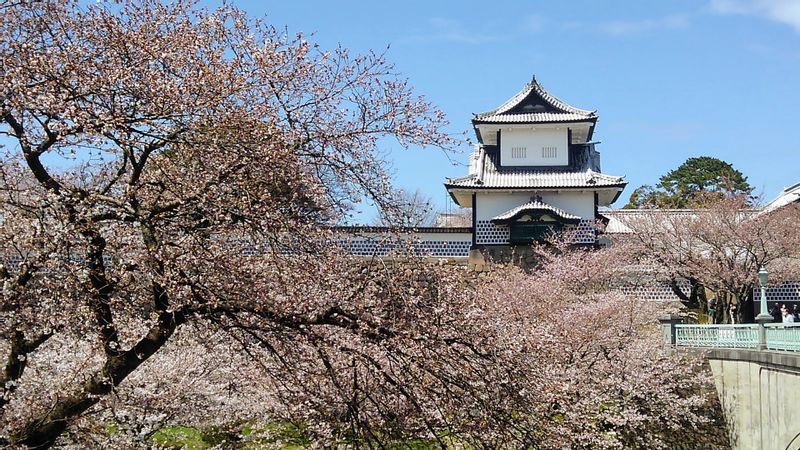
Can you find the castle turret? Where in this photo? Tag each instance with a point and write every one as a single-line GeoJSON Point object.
{"type": "Point", "coordinates": [534, 171]}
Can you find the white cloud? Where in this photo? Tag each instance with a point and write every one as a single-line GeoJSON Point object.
{"type": "Point", "coordinates": [534, 23]}
{"type": "Point", "coordinates": [443, 23]}
{"type": "Point", "coordinates": [624, 27]}
{"type": "Point", "coordinates": [572, 25]}
{"type": "Point", "coordinates": [448, 30]}
{"type": "Point", "coordinates": [783, 11]}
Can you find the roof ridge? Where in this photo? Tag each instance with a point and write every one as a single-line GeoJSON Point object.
{"type": "Point", "coordinates": [534, 85]}
{"type": "Point", "coordinates": [557, 102]}
{"type": "Point", "coordinates": [510, 103]}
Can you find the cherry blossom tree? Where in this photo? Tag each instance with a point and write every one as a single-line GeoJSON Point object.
{"type": "Point", "coordinates": [507, 359]}
{"type": "Point", "coordinates": [461, 217]}
{"type": "Point", "coordinates": [154, 145]}
{"type": "Point", "coordinates": [598, 377]}
{"type": "Point", "coordinates": [410, 209]}
{"type": "Point", "coordinates": [163, 259]}
{"type": "Point", "coordinates": [719, 246]}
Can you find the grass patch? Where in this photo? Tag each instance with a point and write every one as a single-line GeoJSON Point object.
{"type": "Point", "coordinates": [179, 436]}
{"type": "Point", "coordinates": [191, 438]}
{"type": "Point", "coordinates": [246, 436]}
{"type": "Point", "coordinates": [282, 435]}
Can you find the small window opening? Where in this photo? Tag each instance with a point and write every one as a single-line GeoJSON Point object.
{"type": "Point", "coordinates": [549, 152]}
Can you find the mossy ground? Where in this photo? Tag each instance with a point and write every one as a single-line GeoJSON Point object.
{"type": "Point", "coordinates": [246, 436]}
{"type": "Point", "coordinates": [277, 436]}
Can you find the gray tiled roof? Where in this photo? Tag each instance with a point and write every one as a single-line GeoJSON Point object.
{"type": "Point", "coordinates": [530, 178]}
{"type": "Point", "coordinates": [536, 205]}
{"type": "Point", "coordinates": [566, 112]}
{"type": "Point", "coordinates": [532, 117]}
{"type": "Point", "coordinates": [788, 196]}
{"type": "Point", "coordinates": [621, 221]}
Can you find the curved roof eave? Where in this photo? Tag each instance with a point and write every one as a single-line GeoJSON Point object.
{"type": "Point", "coordinates": [535, 87]}
{"type": "Point", "coordinates": [476, 122]}
{"type": "Point", "coordinates": [537, 188]}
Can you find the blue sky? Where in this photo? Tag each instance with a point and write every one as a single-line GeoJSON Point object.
{"type": "Point", "coordinates": [670, 80]}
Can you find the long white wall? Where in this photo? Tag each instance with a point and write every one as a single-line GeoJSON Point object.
{"type": "Point", "coordinates": [535, 145]}
{"type": "Point", "coordinates": [492, 204]}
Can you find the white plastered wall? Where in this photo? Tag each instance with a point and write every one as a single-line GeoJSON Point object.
{"type": "Point", "coordinates": [492, 204]}
{"type": "Point", "coordinates": [533, 142]}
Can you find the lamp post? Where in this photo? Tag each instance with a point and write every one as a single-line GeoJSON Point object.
{"type": "Point", "coordinates": [763, 315]}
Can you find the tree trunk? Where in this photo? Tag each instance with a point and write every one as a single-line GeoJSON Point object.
{"type": "Point", "coordinates": [41, 433]}
{"type": "Point", "coordinates": [691, 301]}
{"type": "Point", "coordinates": [747, 302]}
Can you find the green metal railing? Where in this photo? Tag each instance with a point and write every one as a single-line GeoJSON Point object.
{"type": "Point", "coordinates": [783, 336]}
{"type": "Point", "coordinates": [778, 336]}
{"type": "Point", "coordinates": [717, 336]}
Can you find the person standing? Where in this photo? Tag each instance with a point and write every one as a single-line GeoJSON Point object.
{"type": "Point", "coordinates": [787, 315]}
{"type": "Point", "coordinates": [712, 309]}
{"type": "Point", "coordinates": [775, 312]}
{"type": "Point", "coordinates": [732, 311]}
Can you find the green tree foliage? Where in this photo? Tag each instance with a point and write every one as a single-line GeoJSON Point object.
{"type": "Point", "coordinates": [692, 182]}
{"type": "Point", "coordinates": [645, 196]}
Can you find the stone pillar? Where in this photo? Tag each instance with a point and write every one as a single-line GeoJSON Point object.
{"type": "Point", "coordinates": [763, 319]}
{"type": "Point", "coordinates": [476, 260]}
{"type": "Point", "coordinates": [668, 327]}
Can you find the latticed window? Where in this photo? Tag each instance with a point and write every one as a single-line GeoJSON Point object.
{"type": "Point", "coordinates": [530, 232]}
{"type": "Point", "coordinates": [519, 152]}
{"type": "Point", "coordinates": [549, 152]}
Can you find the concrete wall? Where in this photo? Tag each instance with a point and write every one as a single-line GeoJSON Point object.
{"type": "Point", "coordinates": [532, 143]}
{"type": "Point", "coordinates": [760, 394]}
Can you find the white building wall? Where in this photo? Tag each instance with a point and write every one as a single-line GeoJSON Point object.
{"type": "Point", "coordinates": [540, 147]}
{"type": "Point", "coordinates": [492, 204]}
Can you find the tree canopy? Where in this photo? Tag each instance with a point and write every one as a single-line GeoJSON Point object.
{"type": "Point", "coordinates": [720, 247]}
{"type": "Point", "coordinates": [157, 145]}
{"type": "Point", "coordinates": [163, 257]}
{"type": "Point", "coordinates": [693, 181]}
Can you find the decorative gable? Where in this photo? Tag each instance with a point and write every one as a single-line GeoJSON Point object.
{"type": "Point", "coordinates": [536, 211]}
{"type": "Point", "coordinates": [533, 105]}
{"type": "Point", "coordinates": [535, 221]}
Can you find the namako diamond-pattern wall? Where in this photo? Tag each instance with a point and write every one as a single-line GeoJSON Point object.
{"type": "Point", "coordinates": [487, 233]}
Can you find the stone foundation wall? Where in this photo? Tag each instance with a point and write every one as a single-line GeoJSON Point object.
{"type": "Point", "coordinates": [521, 256]}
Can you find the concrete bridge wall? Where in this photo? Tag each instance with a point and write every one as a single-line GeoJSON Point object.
{"type": "Point", "coordinates": [760, 394]}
